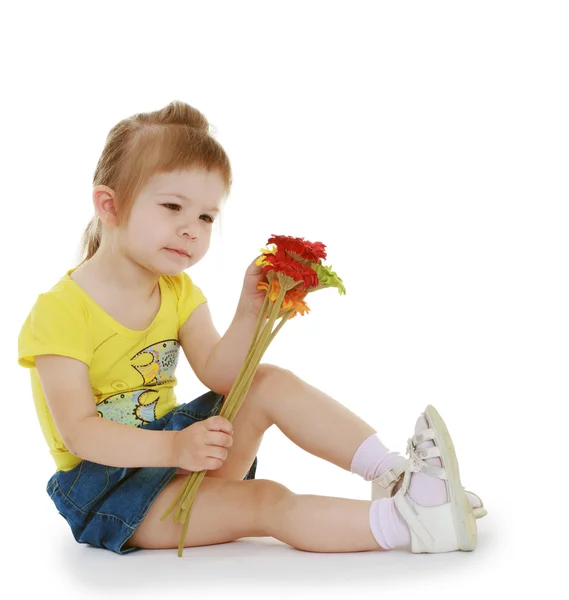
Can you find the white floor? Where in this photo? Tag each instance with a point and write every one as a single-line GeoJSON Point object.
{"type": "Point", "coordinates": [45, 560]}
{"type": "Point", "coordinates": [251, 567]}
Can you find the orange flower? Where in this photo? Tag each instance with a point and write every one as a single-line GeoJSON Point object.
{"type": "Point", "coordinates": [293, 299]}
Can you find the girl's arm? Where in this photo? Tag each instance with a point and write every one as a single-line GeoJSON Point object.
{"type": "Point", "coordinates": [67, 389]}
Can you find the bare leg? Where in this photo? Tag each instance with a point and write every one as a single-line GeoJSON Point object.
{"type": "Point", "coordinates": [307, 416]}
{"type": "Point", "coordinates": [313, 420]}
{"type": "Point", "coordinates": [225, 511]}
{"type": "Point", "coordinates": [321, 523]}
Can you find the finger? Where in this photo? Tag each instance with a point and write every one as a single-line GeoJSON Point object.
{"type": "Point", "coordinates": [219, 424]}
{"type": "Point", "coordinates": [217, 452]}
{"type": "Point", "coordinates": [220, 439]}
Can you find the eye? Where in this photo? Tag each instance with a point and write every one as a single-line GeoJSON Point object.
{"type": "Point", "coordinates": [176, 207]}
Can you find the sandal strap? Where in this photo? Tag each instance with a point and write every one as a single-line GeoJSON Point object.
{"type": "Point", "coordinates": [431, 470]}
{"type": "Point", "coordinates": [424, 436]}
{"type": "Point", "coordinates": [416, 462]}
{"type": "Point", "coordinates": [412, 521]}
{"type": "Point", "coordinates": [432, 452]}
{"type": "Point", "coordinates": [390, 476]}
{"type": "Point", "coordinates": [417, 458]}
{"type": "Point", "coordinates": [434, 471]}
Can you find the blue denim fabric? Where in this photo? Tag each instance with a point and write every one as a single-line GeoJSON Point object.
{"type": "Point", "coordinates": [104, 505]}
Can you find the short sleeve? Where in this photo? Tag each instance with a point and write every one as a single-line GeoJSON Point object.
{"type": "Point", "coordinates": [55, 325]}
{"type": "Point", "coordinates": [189, 296]}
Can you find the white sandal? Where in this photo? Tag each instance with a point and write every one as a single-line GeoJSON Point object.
{"type": "Point", "coordinates": [384, 486]}
{"type": "Point", "coordinates": [444, 528]}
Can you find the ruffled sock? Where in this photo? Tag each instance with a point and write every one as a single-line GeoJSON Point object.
{"type": "Point", "coordinates": [373, 459]}
{"type": "Point", "coordinates": [387, 525]}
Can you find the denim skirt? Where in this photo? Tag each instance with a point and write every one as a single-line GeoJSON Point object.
{"type": "Point", "coordinates": [104, 505]}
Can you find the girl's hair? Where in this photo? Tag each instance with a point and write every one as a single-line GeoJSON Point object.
{"type": "Point", "coordinates": [145, 144]}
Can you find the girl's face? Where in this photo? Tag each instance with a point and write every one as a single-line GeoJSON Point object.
{"type": "Point", "coordinates": [170, 226]}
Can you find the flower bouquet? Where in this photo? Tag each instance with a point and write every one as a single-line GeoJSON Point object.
{"type": "Point", "coordinates": [292, 268]}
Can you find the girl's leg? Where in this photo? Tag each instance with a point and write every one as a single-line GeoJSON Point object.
{"type": "Point", "coordinates": [225, 511]}
{"type": "Point", "coordinates": [321, 523]}
{"type": "Point", "coordinates": [307, 416]}
{"type": "Point", "coordinates": [434, 518]}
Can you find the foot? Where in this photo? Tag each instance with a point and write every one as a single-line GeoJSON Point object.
{"type": "Point", "coordinates": [388, 484]}
{"type": "Point", "coordinates": [431, 500]}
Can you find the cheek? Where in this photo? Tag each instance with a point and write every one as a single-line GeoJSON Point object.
{"type": "Point", "coordinates": [143, 231]}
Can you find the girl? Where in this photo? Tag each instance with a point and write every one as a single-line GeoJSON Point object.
{"type": "Point", "coordinates": [102, 347]}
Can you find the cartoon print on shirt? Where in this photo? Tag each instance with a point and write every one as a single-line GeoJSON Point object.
{"type": "Point", "coordinates": [157, 363]}
{"type": "Point", "coordinates": [131, 408]}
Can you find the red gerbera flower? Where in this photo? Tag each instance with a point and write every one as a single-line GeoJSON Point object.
{"type": "Point", "coordinates": [311, 251]}
{"type": "Point", "coordinates": [287, 265]}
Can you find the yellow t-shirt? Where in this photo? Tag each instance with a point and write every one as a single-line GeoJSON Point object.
{"type": "Point", "coordinates": [132, 373]}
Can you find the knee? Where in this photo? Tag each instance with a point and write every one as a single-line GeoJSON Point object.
{"type": "Point", "coordinates": [268, 371]}
{"type": "Point", "coordinates": [261, 396]}
{"type": "Point", "coordinates": [266, 378]}
{"type": "Point", "coordinates": [268, 492]}
{"type": "Point", "coordinates": [268, 496]}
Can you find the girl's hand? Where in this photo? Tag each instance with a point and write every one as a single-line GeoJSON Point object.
{"type": "Point", "coordinates": [251, 300]}
{"type": "Point", "coordinates": [203, 446]}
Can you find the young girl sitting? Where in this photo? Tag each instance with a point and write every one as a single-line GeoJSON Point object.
{"type": "Point", "coordinates": [102, 347]}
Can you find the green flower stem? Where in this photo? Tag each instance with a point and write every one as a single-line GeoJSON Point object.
{"type": "Point", "coordinates": [260, 322]}
{"type": "Point", "coordinates": [285, 318]}
{"type": "Point", "coordinates": [175, 501]}
{"type": "Point", "coordinates": [243, 383]}
{"type": "Point", "coordinates": [187, 522]}
{"type": "Point", "coordinates": [185, 490]}
{"type": "Point", "coordinates": [250, 353]}
{"type": "Point", "coordinates": [182, 495]}
{"type": "Point", "coordinates": [262, 337]}
{"type": "Point", "coordinates": [190, 485]}
{"type": "Point", "coordinates": [237, 393]}
{"type": "Point", "coordinates": [261, 317]}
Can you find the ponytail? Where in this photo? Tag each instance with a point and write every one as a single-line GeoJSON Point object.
{"type": "Point", "coordinates": [91, 238]}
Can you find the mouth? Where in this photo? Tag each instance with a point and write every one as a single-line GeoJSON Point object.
{"type": "Point", "coordinates": [178, 252]}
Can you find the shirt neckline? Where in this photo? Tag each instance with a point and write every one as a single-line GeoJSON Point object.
{"type": "Point", "coordinates": [119, 327]}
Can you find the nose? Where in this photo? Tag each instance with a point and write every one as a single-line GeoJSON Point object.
{"type": "Point", "coordinates": [190, 231]}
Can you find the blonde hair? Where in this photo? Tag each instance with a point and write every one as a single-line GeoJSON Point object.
{"type": "Point", "coordinates": [138, 147]}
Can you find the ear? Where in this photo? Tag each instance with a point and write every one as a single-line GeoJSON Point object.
{"type": "Point", "coordinates": [104, 202]}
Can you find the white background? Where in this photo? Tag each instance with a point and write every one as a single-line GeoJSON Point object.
{"type": "Point", "coordinates": [426, 144]}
